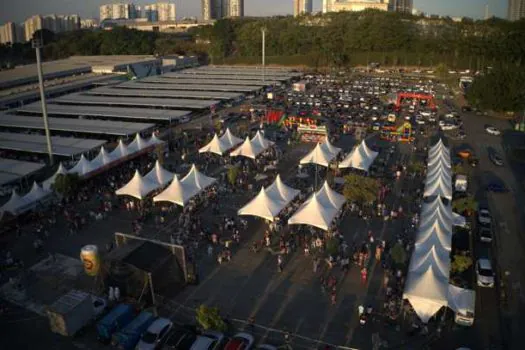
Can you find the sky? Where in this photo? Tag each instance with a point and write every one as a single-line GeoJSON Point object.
{"type": "Point", "coordinates": [19, 10]}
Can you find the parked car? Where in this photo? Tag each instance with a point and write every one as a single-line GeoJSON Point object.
{"type": "Point", "coordinates": [155, 335]}
{"type": "Point", "coordinates": [485, 233]}
{"type": "Point", "coordinates": [128, 337]}
{"type": "Point", "coordinates": [240, 341]}
{"type": "Point", "coordinates": [496, 158]}
{"type": "Point", "coordinates": [497, 187]}
{"type": "Point", "coordinates": [209, 340]}
{"type": "Point", "coordinates": [484, 273]}
{"type": "Point", "coordinates": [492, 130]}
{"type": "Point", "coordinates": [181, 338]}
{"type": "Point", "coordinates": [484, 216]}
{"type": "Point", "coordinates": [115, 320]}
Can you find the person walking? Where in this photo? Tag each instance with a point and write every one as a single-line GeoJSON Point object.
{"type": "Point", "coordinates": [364, 275]}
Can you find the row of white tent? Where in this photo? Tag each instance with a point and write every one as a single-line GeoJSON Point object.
{"type": "Point", "coordinates": [319, 210]}
{"type": "Point", "coordinates": [427, 285]}
{"type": "Point", "coordinates": [438, 180]}
{"type": "Point", "coordinates": [361, 157]}
{"type": "Point", "coordinates": [250, 148]}
{"type": "Point", "coordinates": [178, 192]}
{"type": "Point", "coordinates": [19, 204]}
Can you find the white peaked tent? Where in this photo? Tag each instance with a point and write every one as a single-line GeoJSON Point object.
{"type": "Point", "coordinates": [433, 234]}
{"type": "Point", "coordinates": [247, 149]}
{"type": "Point", "coordinates": [49, 182]}
{"type": "Point", "coordinates": [329, 197]}
{"type": "Point", "coordinates": [314, 213]}
{"type": "Point", "coordinates": [320, 155]}
{"type": "Point", "coordinates": [459, 220]}
{"type": "Point", "coordinates": [263, 206]}
{"type": "Point", "coordinates": [437, 148]}
{"type": "Point", "coordinates": [83, 167]}
{"type": "Point", "coordinates": [441, 159]}
{"type": "Point", "coordinates": [422, 259]}
{"type": "Point", "coordinates": [36, 194]}
{"type": "Point", "coordinates": [137, 187]}
{"type": "Point", "coordinates": [159, 175]}
{"type": "Point", "coordinates": [427, 292]}
{"type": "Point", "coordinates": [138, 144]}
{"type": "Point", "coordinates": [360, 158]}
{"type": "Point", "coordinates": [461, 300]}
{"type": "Point", "coordinates": [279, 190]}
{"type": "Point", "coordinates": [120, 151]}
{"type": "Point", "coordinates": [436, 211]}
{"type": "Point", "coordinates": [331, 147]}
{"type": "Point", "coordinates": [14, 203]}
{"type": "Point", "coordinates": [216, 146]}
{"type": "Point", "coordinates": [230, 139]}
{"type": "Point", "coordinates": [260, 141]}
{"type": "Point", "coordinates": [103, 158]}
{"type": "Point", "coordinates": [177, 193]}
{"type": "Point", "coordinates": [438, 187]}
{"type": "Point", "coordinates": [154, 140]}
{"type": "Point", "coordinates": [197, 179]}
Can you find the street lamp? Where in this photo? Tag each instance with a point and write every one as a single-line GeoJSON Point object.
{"type": "Point", "coordinates": [37, 44]}
{"type": "Point", "coordinates": [263, 32]}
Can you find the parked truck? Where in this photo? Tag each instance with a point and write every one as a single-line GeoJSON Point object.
{"type": "Point", "coordinates": [115, 320]}
{"type": "Point", "coordinates": [461, 183]}
{"type": "Point", "coordinates": [129, 336]}
{"type": "Point", "coordinates": [71, 312]}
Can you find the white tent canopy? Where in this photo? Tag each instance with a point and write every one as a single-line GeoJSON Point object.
{"type": "Point", "coordinates": [36, 194]}
{"type": "Point", "coordinates": [14, 203]}
{"type": "Point", "coordinates": [230, 139]}
{"type": "Point", "coordinates": [314, 213]}
{"type": "Point", "coordinates": [329, 197]}
{"type": "Point", "coordinates": [427, 292]}
{"type": "Point", "coordinates": [423, 258]}
{"type": "Point", "coordinates": [259, 140]}
{"type": "Point", "coordinates": [459, 220]}
{"type": "Point", "coordinates": [103, 157]}
{"type": "Point", "coordinates": [159, 175]}
{"type": "Point", "coordinates": [263, 206]}
{"type": "Point", "coordinates": [434, 234]}
{"type": "Point", "coordinates": [120, 151]}
{"type": "Point", "coordinates": [138, 144]}
{"type": "Point", "coordinates": [320, 155]}
{"type": "Point", "coordinates": [247, 149]}
{"type": "Point", "coordinates": [361, 157]}
{"type": "Point", "coordinates": [216, 146]}
{"type": "Point", "coordinates": [49, 182]}
{"type": "Point", "coordinates": [437, 148]}
{"type": "Point", "coordinates": [197, 179]}
{"type": "Point", "coordinates": [177, 193]}
{"type": "Point", "coordinates": [438, 187]}
{"type": "Point", "coordinates": [137, 187]}
{"type": "Point", "coordinates": [461, 300]}
{"type": "Point", "coordinates": [83, 167]}
{"type": "Point", "coordinates": [280, 191]}
{"type": "Point", "coordinates": [331, 147]}
{"type": "Point", "coordinates": [441, 158]}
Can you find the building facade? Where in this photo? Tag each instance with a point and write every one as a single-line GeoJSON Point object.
{"type": "Point", "coordinates": [516, 10]}
{"type": "Point", "coordinates": [404, 6]}
{"type": "Point", "coordinates": [359, 5]}
{"type": "Point", "coordinates": [327, 6]}
{"type": "Point", "coordinates": [301, 7]}
{"type": "Point", "coordinates": [235, 8]}
{"type": "Point", "coordinates": [206, 8]}
{"type": "Point", "coordinates": [11, 33]}
{"type": "Point", "coordinates": [160, 12]}
{"type": "Point", "coordinates": [54, 23]}
{"type": "Point", "coordinates": [88, 23]}
{"type": "Point", "coordinates": [117, 11]}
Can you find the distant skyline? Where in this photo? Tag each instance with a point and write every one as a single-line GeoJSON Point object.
{"type": "Point", "coordinates": [19, 10]}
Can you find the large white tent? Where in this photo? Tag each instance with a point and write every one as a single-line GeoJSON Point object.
{"type": "Point", "coordinates": [137, 187]}
{"type": "Point", "coordinates": [434, 234]}
{"type": "Point", "coordinates": [320, 155]}
{"type": "Point", "coordinates": [437, 148]}
{"type": "Point", "coordinates": [216, 146]}
{"type": "Point", "coordinates": [197, 179]}
{"type": "Point", "coordinates": [427, 292]}
{"type": "Point", "coordinates": [281, 191]}
{"type": "Point", "coordinates": [247, 149]}
{"type": "Point", "coordinates": [439, 186]}
{"type": "Point", "coordinates": [263, 206]}
{"type": "Point", "coordinates": [177, 193]}
{"type": "Point", "coordinates": [328, 197]}
{"type": "Point", "coordinates": [159, 175]}
{"type": "Point", "coordinates": [423, 258]}
{"type": "Point", "coordinates": [230, 139]}
{"type": "Point", "coordinates": [361, 157]}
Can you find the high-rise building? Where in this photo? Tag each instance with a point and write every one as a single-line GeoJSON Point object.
{"type": "Point", "coordinates": [301, 7]}
{"type": "Point", "coordinates": [358, 5]}
{"type": "Point", "coordinates": [207, 10]}
{"type": "Point", "coordinates": [160, 12]}
{"type": "Point", "coordinates": [54, 23]}
{"type": "Point", "coordinates": [88, 23]}
{"type": "Point", "coordinates": [11, 33]}
{"type": "Point", "coordinates": [327, 6]}
{"type": "Point", "coordinates": [235, 8]}
{"type": "Point", "coordinates": [118, 11]}
{"type": "Point", "coordinates": [516, 10]}
{"type": "Point", "coordinates": [404, 6]}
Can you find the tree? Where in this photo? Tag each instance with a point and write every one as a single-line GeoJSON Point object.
{"type": "Point", "coordinates": [416, 166]}
{"type": "Point", "coordinates": [441, 70]}
{"type": "Point", "coordinates": [465, 206]}
{"type": "Point", "coordinates": [66, 184]}
{"type": "Point", "coordinates": [233, 173]}
{"type": "Point", "coordinates": [398, 254]}
{"type": "Point", "coordinates": [209, 318]}
{"type": "Point", "coordinates": [360, 189]}
{"type": "Point", "coordinates": [460, 263]}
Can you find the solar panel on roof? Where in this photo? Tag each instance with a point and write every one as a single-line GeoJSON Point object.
{"type": "Point", "coordinates": [62, 146]}
{"type": "Point", "coordinates": [110, 91]}
{"type": "Point", "coordinates": [208, 85]}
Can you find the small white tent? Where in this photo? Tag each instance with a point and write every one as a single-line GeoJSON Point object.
{"type": "Point", "coordinates": [159, 175]}
{"type": "Point", "coordinates": [137, 187]}
{"type": "Point", "coordinates": [329, 197]}
{"type": "Point", "coordinates": [83, 167]}
{"type": "Point", "coordinates": [230, 139]}
{"type": "Point", "coordinates": [36, 194]}
{"type": "Point", "coordinates": [320, 155]}
{"type": "Point", "coordinates": [154, 140]}
{"type": "Point", "coordinates": [216, 146]}
{"type": "Point", "coordinates": [314, 213]}
{"type": "Point", "coordinates": [461, 300]}
{"type": "Point", "coordinates": [120, 151]}
{"type": "Point", "coordinates": [361, 157]}
{"type": "Point", "coordinates": [280, 191]}
{"type": "Point", "coordinates": [330, 147]}
{"type": "Point", "coordinates": [103, 158]}
{"type": "Point", "coordinates": [49, 182]}
{"type": "Point", "coordinates": [247, 149]}
{"type": "Point", "coordinates": [177, 193]}
{"type": "Point", "coordinates": [14, 203]}
{"type": "Point", "coordinates": [197, 179]}
{"type": "Point", "coordinates": [260, 141]}
{"type": "Point", "coordinates": [138, 144]}
{"type": "Point", "coordinates": [263, 206]}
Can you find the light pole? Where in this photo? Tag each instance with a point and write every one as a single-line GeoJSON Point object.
{"type": "Point", "coordinates": [263, 31]}
{"type": "Point", "coordinates": [37, 44]}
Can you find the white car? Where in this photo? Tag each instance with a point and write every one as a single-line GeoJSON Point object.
{"type": "Point", "coordinates": [484, 216]}
{"type": "Point", "coordinates": [493, 130]}
{"type": "Point", "coordinates": [484, 273]}
{"type": "Point", "coordinates": [209, 340]}
{"type": "Point", "coordinates": [155, 335]}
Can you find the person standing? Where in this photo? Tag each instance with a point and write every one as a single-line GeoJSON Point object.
{"type": "Point", "coordinates": [364, 275]}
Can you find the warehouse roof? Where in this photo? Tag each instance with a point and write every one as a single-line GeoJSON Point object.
{"type": "Point", "coordinates": [82, 99]}
{"type": "Point", "coordinates": [253, 78]}
{"type": "Point", "coordinates": [62, 146]}
{"type": "Point", "coordinates": [106, 112]}
{"type": "Point", "coordinates": [100, 127]}
{"type": "Point", "coordinates": [12, 170]}
{"type": "Point", "coordinates": [202, 85]}
{"type": "Point", "coordinates": [204, 79]}
{"type": "Point", "coordinates": [110, 91]}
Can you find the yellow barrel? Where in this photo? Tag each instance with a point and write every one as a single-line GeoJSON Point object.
{"type": "Point", "coordinates": [90, 259]}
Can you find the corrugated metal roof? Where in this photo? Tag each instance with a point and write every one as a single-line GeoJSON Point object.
{"type": "Point", "coordinates": [12, 169]}
{"type": "Point", "coordinates": [190, 85]}
{"type": "Point", "coordinates": [110, 91]}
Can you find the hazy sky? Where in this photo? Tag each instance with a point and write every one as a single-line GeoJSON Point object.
{"type": "Point", "coordinates": [18, 10]}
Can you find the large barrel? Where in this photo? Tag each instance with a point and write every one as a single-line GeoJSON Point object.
{"type": "Point", "coordinates": [90, 259]}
